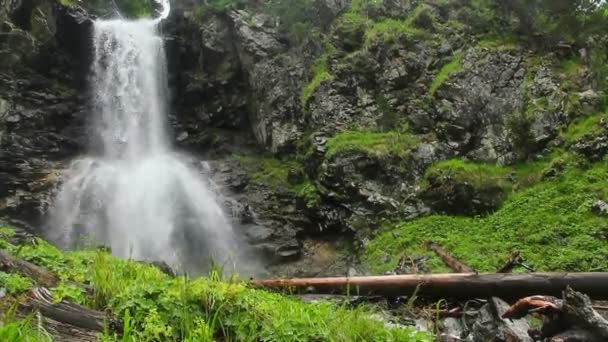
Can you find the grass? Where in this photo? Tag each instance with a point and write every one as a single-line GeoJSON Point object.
{"type": "Point", "coordinates": [371, 142]}
{"type": "Point", "coordinates": [482, 175]}
{"type": "Point", "coordinates": [445, 72]}
{"type": "Point", "coordinates": [128, 8]}
{"type": "Point", "coordinates": [550, 223]}
{"type": "Point", "coordinates": [499, 43]}
{"type": "Point", "coordinates": [589, 126]}
{"type": "Point", "coordinates": [157, 307]}
{"type": "Point", "coordinates": [570, 66]}
{"type": "Point", "coordinates": [13, 330]}
{"type": "Point", "coordinates": [390, 31]}
{"type": "Point", "coordinates": [320, 75]}
{"type": "Point", "coordinates": [274, 172]}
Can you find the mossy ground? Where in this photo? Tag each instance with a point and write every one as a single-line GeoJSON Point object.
{"type": "Point", "coordinates": [483, 175]}
{"type": "Point", "coordinates": [273, 172]}
{"type": "Point", "coordinates": [551, 223]}
{"type": "Point", "coordinates": [376, 143]}
{"type": "Point", "coordinates": [157, 307]}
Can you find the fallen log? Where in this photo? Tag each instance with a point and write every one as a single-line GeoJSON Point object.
{"type": "Point", "coordinates": [40, 275]}
{"type": "Point", "coordinates": [455, 264]}
{"type": "Point", "coordinates": [68, 313]}
{"type": "Point", "coordinates": [463, 285]}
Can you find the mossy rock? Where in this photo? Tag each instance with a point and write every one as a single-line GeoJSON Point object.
{"type": "Point", "coordinates": [459, 188]}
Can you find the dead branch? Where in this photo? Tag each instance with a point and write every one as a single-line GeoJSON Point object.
{"type": "Point", "coordinates": [455, 264]}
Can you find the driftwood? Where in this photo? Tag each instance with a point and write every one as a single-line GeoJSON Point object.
{"type": "Point", "coordinates": [571, 318]}
{"type": "Point", "coordinates": [465, 285]}
{"type": "Point", "coordinates": [455, 264]}
{"type": "Point", "coordinates": [40, 275]}
{"type": "Point", "coordinates": [67, 313]}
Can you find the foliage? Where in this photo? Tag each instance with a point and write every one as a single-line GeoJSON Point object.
{"type": "Point", "coordinates": [550, 223]}
{"type": "Point", "coordinates": [218, 6]}
{"type": "Point", "coordinates": [320, 75]}
{"type": "Point", "coordinates": [128, 8]}
{"type": "Point", "coordinates": [14, 283]}
{"type": "Point", "coordinates": [388, 31]}
{"type": "Point", "coordinates": [484, 175]}
{"type": "Point", "coordinates": [445, 73]}
{"type": "Point", "coordinates": [395, 143]}
{"type": "Point", "coordinates": [274, 172]}
{"type": "Point", "coordinates": [351, 30]}
{"type": "Point", "coordinates": [13, 330]}
{"type": "Point", "coordinates": [157, 307]}
{"type": "Point", "coordinates": [590, 126]}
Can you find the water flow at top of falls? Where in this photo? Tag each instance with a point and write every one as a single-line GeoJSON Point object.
{"type": "Point", "coordinates": [135, 195]}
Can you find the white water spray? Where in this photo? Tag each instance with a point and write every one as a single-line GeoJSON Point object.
{"type": "Point", "coordinates": [135, 195]}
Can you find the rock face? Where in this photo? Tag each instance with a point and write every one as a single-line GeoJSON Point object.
{"type": "Point", "coordinates": [41, 112]}
{"type": "Point", "coordinates": [241, 87]}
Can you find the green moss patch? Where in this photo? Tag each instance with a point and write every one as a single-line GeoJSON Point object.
{"type": "Point", "coordinates": [274, 172]}
{"type": "Point", "coordinates": [550, 223]}
{"type": "Point", "coordinates": [157, 307]}
{"type": "Point", "coordinates": [371, 142]}
{"type": "Point", "coordinates": [586, 127]}
{"type": "Point", "coordinates": [445, 72]}
{"type": "Point", "coordinates": [320, 75]}
{"type": "Point", "coordinates": [390, 31]}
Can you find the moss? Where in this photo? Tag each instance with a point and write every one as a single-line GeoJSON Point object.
{"type": "Point", "coordinates": [589, 126]}
{"type": "Point", "coordinates": [128, 8]}
{"type": "Point", "coordinates": [479, 175]}
{"type": "Point", "coordinates": [157, 307]}
{"type": "Point", "coordinates": [351, 29]}
{"type": "Point", "coordinates": [274, 172]}
{"type": "Point", "coordinates": [445, 72]}
{"type": "Point", "coordinates": [499, 43]}
{"type": "Point", "coordinates": [550, 223]}
{"type": "Point", "coordinates": [390, 31]}
{"type": "Point", "coordinates": [371, 142]}
{"type": "Point", "coordinates": [320, 75]}
{"type": "Point", "coordinates": [570, 66]}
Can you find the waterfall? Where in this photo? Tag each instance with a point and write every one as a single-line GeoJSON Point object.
{"type": "Point", "coordinates": [133, 193]}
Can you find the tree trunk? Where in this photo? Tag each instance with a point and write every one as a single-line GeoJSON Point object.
{"type": "Point", "coordinates": [465, 285]}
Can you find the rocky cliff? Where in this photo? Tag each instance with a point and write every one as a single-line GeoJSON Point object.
{"type": "Point", "coordinates": [338, 122]}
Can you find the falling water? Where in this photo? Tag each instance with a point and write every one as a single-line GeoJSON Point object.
{"type": "Point", "coordinates": [133, 193]}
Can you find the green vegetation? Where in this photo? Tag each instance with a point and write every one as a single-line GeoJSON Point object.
{"type": "Point", "coordinates": [157, 307]}
{"type": "Point", "coordinates": [498, 43]}
{"type": "Point", "coordinates": [274, 172]}
{"type": "Point", "coordinates": [585, 127]}
{"type": "Point", "coordinates": [128, 8]}
{"type": "Point", "coordinates": [482, 175]}
{"type": "Point", "coordinates": [320, 75]}
{"type": "Point", "coordinates": [391, 31]}
{"type": "Point", "coordinates": [550, 223]}
{"type": "Point", "coordinates": [570, 66]}
{"type": "Point", "coordinates": [445, 73]}
{"type": "Point", "coordinates": [14, 283]}
{"type": "Point", "coordinates": [13, 330]}
{"type": "Point", "coordinates": [395, 143]}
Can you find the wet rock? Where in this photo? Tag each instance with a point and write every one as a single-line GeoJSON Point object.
{"type": "Point", "coordinates": [600, 208]}
{"type": "Point", "coordinates": [257, 234]}
{"type": "Point", "coordinates": [490, 326]}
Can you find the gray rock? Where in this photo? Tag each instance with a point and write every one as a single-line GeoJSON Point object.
{"type": "Point", "coordinates": [600, 208]}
